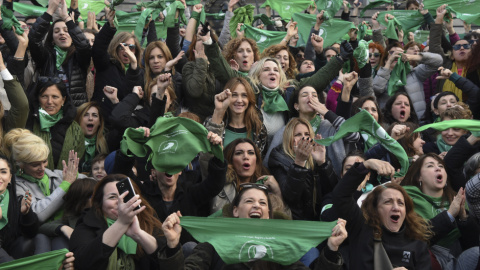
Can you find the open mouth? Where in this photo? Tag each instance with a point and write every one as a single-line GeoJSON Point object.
{"type": "Point", "coordinates": [90, 127]}
{"type": "Point", "coordinates": [439, 177]}
{"type": "Point", "coordinates": [246, 166]}
{"type": "Point", "coordinates": [402, 113]}
{"type": "Point", "coordinates": [255, 215]}
{"type": "Point", "coordinates": [245, 62]}
{"type": "Point", "coordinates": [395, 218]}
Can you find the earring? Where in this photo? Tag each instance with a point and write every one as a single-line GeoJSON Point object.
{"type": "Point", "coordinates": [420, 183]}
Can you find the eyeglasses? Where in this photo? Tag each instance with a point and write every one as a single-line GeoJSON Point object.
{"type": "Point", "coordinates": [376, 55]}
{"type": "Point", "coordinates": [472, 41]}
{"type": "Point", "coordinates": [130, 46]}
{"type": "Point", "coordinates": [459, 46]}
{"type": "Point", "coordinates": [44, 79]}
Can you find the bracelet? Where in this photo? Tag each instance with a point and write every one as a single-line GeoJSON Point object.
{"type": "Point", "coordinates": [18, 58]}
{"type": "Point", "coordinates": [284, 39]}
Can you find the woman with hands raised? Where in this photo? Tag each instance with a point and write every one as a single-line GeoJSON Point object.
{"type": "Point", "coordinates": [114, 232]}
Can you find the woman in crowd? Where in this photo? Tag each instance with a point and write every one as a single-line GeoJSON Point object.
{"type": "Point", "coordinates": [399, 109]}
{"type": "Point", "coordinates": [302, 170]}
{"type": "Point", "coordinates": [125, 235]}
{"type": "Point", "coordinates": [411, 142]}
{"type": "Point", "coordinates": [387, 218]}
{"type": "Point", "coordinates": [375, 53]}
{"type": "Point", "coordinates": [92, 123]}
{"type": "Point", "coordinates": [65, 53]}
{"type": "Point", "coordinates": [236, 115]}
{"type": "Point", "coordinates": [52, 118]}
{"type": "Point", "coordinates": [251, 202]}
{"type": "Point", "coordinates": [434, 199]}
{"type": "Point", "coordinates": [244, 166]}
{"type": "Point", "coordinates": [286, 59]}
{"type": "Point", "coordinates": [115, 56]}
{"type": "Point", "coordinates": [16, 217]}
{"type": "Point", "coordinates": [241, 52]}
{"type": "Point", "coordinates": [47, 187]}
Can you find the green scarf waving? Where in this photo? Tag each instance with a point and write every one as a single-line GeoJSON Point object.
{"type": "Point", "coordinates": [398, 77]}
{"type": "Point", "coordinates": [4, 199]}
{"type": "Point", "coordinates": [47, 121]}
{"type": "Point", "coordinates": [241, 15]}
{"type": "Point", "coordinates": [273, 101]}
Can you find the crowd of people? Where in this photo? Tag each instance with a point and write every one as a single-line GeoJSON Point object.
{"type": "Point", "coordinates": [71, 92]}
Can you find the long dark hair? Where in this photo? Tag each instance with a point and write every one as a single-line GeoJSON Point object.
{"type": "Point", "coordinates": [358, 104]}
{"type": "Point", "coordinates": [11, 230]}
{"type": "Point", "coordinates": [387, 113]}
{"type": "Point", "coordinates": [77, 197]}
{"type": "Point", "coordinates": [49, 43]}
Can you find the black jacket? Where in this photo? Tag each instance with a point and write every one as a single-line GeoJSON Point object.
{"type": "Point", "coordinates": [302, 189]}
{"type": "Point", "coordinates": [45, 57]}
{"type": "Point", "coordinates": [396, 244]}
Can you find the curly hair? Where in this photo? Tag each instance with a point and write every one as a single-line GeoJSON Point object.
{"type": "Point", "coordinates": [273, 50]}
{"type": "Point", "coordinates": [232, 46]}
{"type": "Point", "coordinates": [416, 227]}
{"type": "Point", "coordinates": [229, 152]}
{"type": "Point", "coordinates": [459, 111]}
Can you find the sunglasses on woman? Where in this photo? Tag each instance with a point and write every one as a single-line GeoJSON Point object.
{"type": "Point", "coordinates": [253, 185]}
{"type": "Point", "coordinates": [459, 46]}
{"type": "Point", "coordinates": [44, 79]}
{"type": "Point", "coordinates": [131, 47]}
{"type": "Point", "coordinates": [376, 55]}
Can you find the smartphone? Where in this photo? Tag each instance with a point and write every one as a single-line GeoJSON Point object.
{"type": "Point", "coordinates": [205, 29]}
{"type": "Point", "coordinates": [125, 185]}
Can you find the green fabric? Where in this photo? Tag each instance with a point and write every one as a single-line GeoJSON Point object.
{"type": "Point", "coordinates": [468, 124]}
{"type": "Point", "coordinates": [4, 200]}
{"type": "Point", "coordinates": [199, 17]}
{"type": "Point", "coordinates": [331, 31]}
{"type": "Point", "coordinates": [442, 145]}
{"type": "Point", "coordinates": [47, 260]}
{"type": "Point", "coordinates": [188, 2]}
{"type": "Point", "coordinates": [28, 9]}
{"type": "Point", "coordinates": [408, 19]}
{"type": "Point", "coordinates": [264, 18]}
{"type": "Point", "coordinates": [361, 53]}
{"type": "Point", "coordinates": [47, 121]}
{"type": "Point", "coordinates": [330, 7]}
{"type": "Point", "coordinates": [420, 36]}
{"type": "Point", "coordinates": [239, 240]}
{"type": "Point", "coordinates": [363, 121]}
{"type": "Point", "coordinates": [126, 67]}
{"type": "Point", "coordinates": [241, 15]}
{"type": "Point", "coordinates": [10, 20]}
{"type": "Point", "coordinates": [286, 9]}
{"type": "Point", "coordinates": [391, 26]}
{"type": "Point", "coordinates": [468, 10]}
{"type": "Point", "coordinates": [216, 16]}
{"type": "Point", "coordinates": [369, 141]}
{"type": "Point", "coordinates": [315, 122]}
{"type": "Point", "coordinates": [170, 11]}
{"type": "Point", "coordinates": [230, 136]}
{"type": "Point", "coordinates": [273, 101]}
{"type": "Point", "coordinates": [264, 38]}
{"type": "Point", "coordinates": [375, 4]}
{"type": "Point", "coordinates": [428, 207]}
{"type": "Point", "coordinates": [144, 19]}
{"type": "Point", "coordinates": [127, 22]}
{"type": "Point", "coordinates": [84, 6]}
{"type": "Point", "coordinates": [60, 57]}
{"type": "Point", "coordinates": [126, 243]}
{"type": "Point", "coordinates": [362, 31]}
{"type": "Point", "coordinates": [43, 182]}
{"type": "Point", "coordinates": [159, 4]}
{"type": "Point", "coordinates": [174, 143]}
{"type": "Point", "coordinates": [398, 77]}
{"type": "Point", "coordinates": [115, 3]}
{"type": "Point", "coordinates": [90, 145]}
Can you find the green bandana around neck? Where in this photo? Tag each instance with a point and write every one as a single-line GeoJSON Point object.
{"type": "Point", "coordinates": [47, 121]}
{"type": "Point", "coordinates": [43, 182]}
{"type": "Point", "coordinates": [126, 243]}
{"type": "Point", "coordinates": [398, 77]}
{"type": "Point", "coordinates": [271, 240]}
{"type": "Point", "coordinates": [365, 123]}
{"type": "Point", "coordinates": [4, 200]}
{"type": "Point", "coordinates": [244, 74]}
{"type": "Point", "coordinates": [442, 145]}
{"type": "Point", "coordinates": [61, 55]}
{"type": "Point", "coordinates": [47, 260]}
{"type": "Point", "coordinates": [90, 145]}
{"type": "Point", "coordinates": [273, 101]}
{"type": "Point", "coordinates": [315, 122]}
{"type": "Point", "coordinates": [126, 67]}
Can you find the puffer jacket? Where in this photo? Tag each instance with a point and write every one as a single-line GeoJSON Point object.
{"type": "Point", "coordinates": [75, 68]}
{"type": "Point", "coordinates": [302, 189]}
{"type": "Point", "coordinates": [414, 87]}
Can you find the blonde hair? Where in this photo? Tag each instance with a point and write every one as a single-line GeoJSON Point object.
{"type": "Point", "coordinates": [25, 146]}
{"type": "Point", "coordinates": [288, 137]}
{"type": "Point", "coordinates": [255, 71]}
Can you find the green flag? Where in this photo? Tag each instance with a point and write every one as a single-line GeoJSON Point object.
{"type": "Point", "coordinates": [10, 20]}
{"type": "Point", "coordinates": [239, 240]}
{"type": "Point", "coordinates": [264, 38]}
{"type": "Point", "coordinates": [188, 2]}
{"type": "Point", "coordinates": [286, 8]}
{"type": "Point", "coordinates": [468, 9]}
{"type": "Point", "coordinates": [45, 261]}
{"type": "Point", "coordinates": [420, 36]}
{"type": "Point", "coordinates": [159, 4]}
{"type": "Point", "coordinates": [408, 19]}
{"type": "Point", "coordinates": [467, 124]}
{"type": "Point", "coordinates": [330, 7]}
{"type": "Point", "coordinates": [174, 142]}
{"type": "Point", "coordinates": [216, 16]}
{"type": "Point", "coordinates": [84, 6]}
{"type": "Point", "coordinates": [363, 121]}
{"type": "Point", "coordinates": [374, 5]}
{"type": "Point", "coordinates": [467, 17]}
{"type": "Point", "coordinates": [241, 15]}
{"type": "Point", "coordinates": [398, 77]}
{"type": "Point", "coordinates": [264, 18]}
{"type": "Point", "coordinates": [28, 9]}
{"type": "Point", "coordinates": [128, 21]}
{"type": "Point", "coordinates": [144, 19]}
{"type": "Point", "coordinates": [170, 12]}
{"type": "Point", "coordinates": [361, 53]}
{"type": "Point", "coordinates": [331, 31]}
